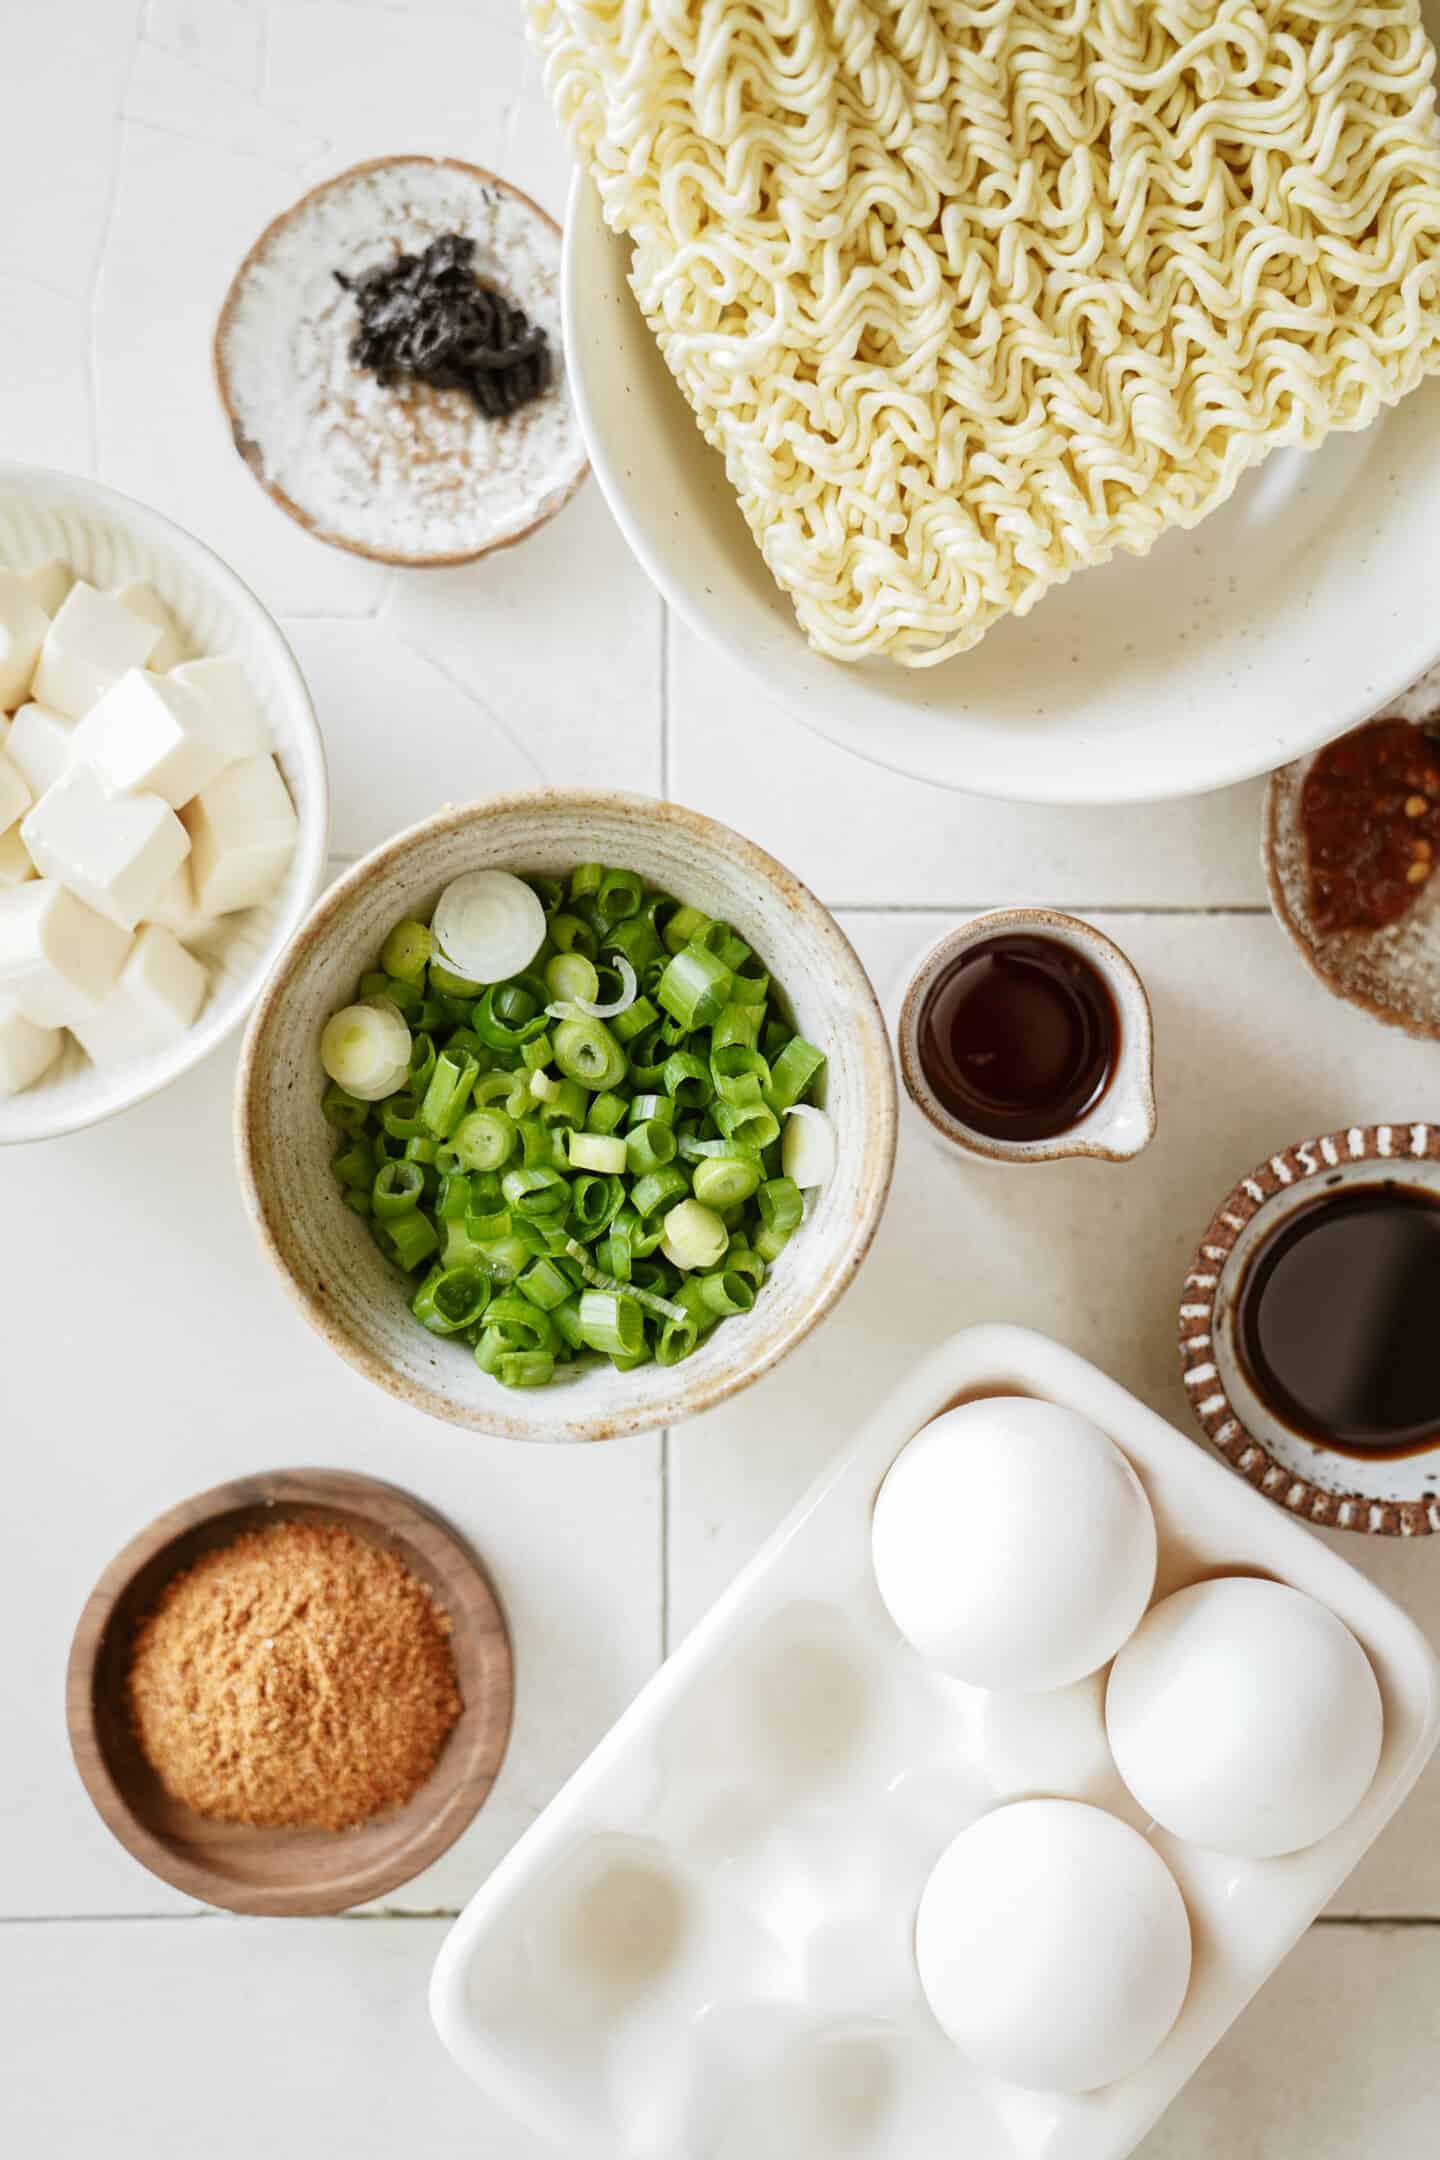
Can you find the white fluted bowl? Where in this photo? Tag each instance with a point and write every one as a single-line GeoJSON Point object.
{"type": "Point", "coordinates": [106, 538]}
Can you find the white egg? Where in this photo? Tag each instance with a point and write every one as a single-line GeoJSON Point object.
{"type": "Point", "coordinates": [1245, 1717]}
{"type": "Point", "coordinates": [1053, 1946]}
{"type": "Point", "coordinates": [1014, 1544]}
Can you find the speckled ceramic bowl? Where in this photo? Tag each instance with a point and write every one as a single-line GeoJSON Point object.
{"type": "Point", "coordinates": [325, 1255]}
{"type": "Point", "coordinates": [1394, 973]}
{"type": "Point", "coordinates": [1391, 1496]}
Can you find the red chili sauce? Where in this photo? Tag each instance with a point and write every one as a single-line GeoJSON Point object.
{"type": "Point", "coordinates": [1370, 814]}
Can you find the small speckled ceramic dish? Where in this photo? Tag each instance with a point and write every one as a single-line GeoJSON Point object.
{"type": "Point", "coordinates": [1391, 1496]}
{"type": "Point", "coordinates": [1394, 973]}
{"type": "Point", "coordinates": [407, 474]}
{"type": "Point", "coordinates": [326, 1257]}
{"type": "Point", "coordinates": [1119, 1124]}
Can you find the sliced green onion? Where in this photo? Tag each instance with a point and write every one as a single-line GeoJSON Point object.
{"type": "Point", "coordinates": [754, 1123]}
{"type": "Point", "coordinates": [619, 894]}
{"type": "Point", "coordinates": [781, 1204]}
{"type": "Point", "coordinates": [770, 1241]}
{"type": "Point", "coordinates": [488, 925]}
{"type": "Point", "coordinates": [354, 1165]}
{"type": "Point", "coordinates": [636, 939]}
{"type": "Point", "coordinates": [595, 1201]}
{"type": "Point", "coordinates": [649, 1146]}
{"type": "Point", "coordinates": [456, 1197]}
{"type": "Point", "coordinates": [807, 1147]}
{"type": "Point", "coordinates": [607, 1113]}
{"type": "Point", "coordinates": [525, 1368]}
{"type": "Point", "coordinates": [449, 1090]}
{"type": "Point", "coordinates": [695, 987]}
{"type": "Point", "coordinates": [611, 1321]}
{"type": "Point", "coordinates": [722, 1181]}
{"type": "Point", "coordinates": [449, 984]}
{"type": "Point", "coordinates": [591, 1007]}
{"type": "Point", "coordinates": [687, 1080]}
{"type": "Point", "coordinates": [676, 1340]}
{"type": "Point", "coordinates": [535, 1192]}
{"type": "Point", "coordinates": [738, 1025]}
{"type": "Point", "coordinates": [634, 1020]}
{"type": "Point", "coordinates": [597, 1151]}
{"type": "Point", "coordinates": [686, 923]}
{"type": "Point", "coordinates": [451, 1298]}
{"type": "Point", "coordinates": [586, 1051]}
{"type": "Point", "coordinates": [484, 1139]}
{"type": "Point", "coordinates": [549, 891]}
{"type": "Point", "coordinates": [794, 1071]}
{"type": "Point", "coordinates": [570, 976]}
{"type": "Point", "coordinates": [345, 1112]}
{"type": "Point", "coordinates": [365, 1049]}
{"type": "Point", "coordinates": [357, 1200]}
{"type": "Point", "coordinates": [727, 1292]}
{"type": "Point", "coordinates": [568, 1105]}
{"type": "Point", "coordinates": [498, 1033]}
{"type": "Point", "coordinates": [586, 879]}
{"type": "Point", "coordinates": [397, 1189]}
{"type": "Point", "coordinates": [657, 1188]}
{"type": "Point", "coordinates": [545, 1284]}
{"type": "Point", "coordinates": [406, 952]}
{"type": "Point", "coordinates": [408, 1238]}
{"type": "Point", "coordinates": [401, 1116]}
{"type": "Point", "coordinates": [544, 1087]}
{"type": "Point", "coordinates": [695, 1237]}
{"type": "Point", "coordinates": [568, 933]}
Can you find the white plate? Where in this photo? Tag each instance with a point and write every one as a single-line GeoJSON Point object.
{"type": "Point", "coordinates": [108, 539]}
{"type": "Point", "coordinates": [704, 1945]}
{"type": "Point", "coordinates": [1294, 611]}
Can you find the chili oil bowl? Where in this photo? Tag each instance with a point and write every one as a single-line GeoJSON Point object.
{"type": "Point", "coordinates": [325, 1255]}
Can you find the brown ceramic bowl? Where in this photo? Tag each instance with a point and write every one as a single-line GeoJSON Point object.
{"type": "Point", "coordinates": [446, 451]}
{"type": "Point", "coordinates": [326, 1257]}
{"type": "Point", "coordinates": [250, 1870]}
{"type": "Point", "coordinates": [1387, 1496]}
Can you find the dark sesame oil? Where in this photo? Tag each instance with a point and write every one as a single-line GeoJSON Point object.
{"type": "Point", "coordinates": [1019, 1037]}
{"type": "Point", "coordinates": [1338, 1321]}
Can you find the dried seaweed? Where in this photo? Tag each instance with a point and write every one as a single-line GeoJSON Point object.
{"type": "Point", "coordinates": [430, 318]}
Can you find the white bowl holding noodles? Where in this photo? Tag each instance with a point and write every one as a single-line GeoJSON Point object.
{"type": "Point", "coordinates": [325, 1255]}
{"type": "Point", "coordinates": [107, 539]}
{"type": "Point", "coordinates": [1291, 613]}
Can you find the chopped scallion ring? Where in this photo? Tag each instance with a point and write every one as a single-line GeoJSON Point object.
{"type": "Point", "coordinates": [807, 1146]}
{"type": "Point", "coordinates": [365, 1049]}
{"type": "Point", "coordinates": [488, 925]}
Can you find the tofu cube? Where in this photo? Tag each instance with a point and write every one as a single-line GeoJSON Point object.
{"type": "Point", "coordinates": [144, 601]}
{"type": "Point", "coordinates": [88, 646]}
{"type": "Point", "coordinates": [117, 853]}
{"type": "Point", "coordinates": [49, 582]}
{"type": "Point", "coordinates": [16, 794]}
{"type": "Point", "coordinates": [146, 736]}
{"type": "Point", "coordinates": [178, 911]}
{"type": "Point", "coordinates": [15, 863]}
{"type": "Point", "coordinates": [156, 997]}
{"type": "Point", "coordinates": [26, 1051]}
{"type": "Point", "coordinates": [57, 956]}
{"type": "Point", "coordinates": [242, 834]}
{"type": "Point", "coordinates": [235, 711]}
{"type": "Point", "coordinates": [40, 744]}
{"type": "Point", "coordinates": [23, 627]}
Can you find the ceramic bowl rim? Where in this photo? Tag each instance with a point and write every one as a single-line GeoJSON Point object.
{"type": "Point", "coordinates": [952, 1130]}
{"type": "Point", "coordinates": [312, 809]}
{"type": "Point", "coordinates": [688, 1397]}
{"type": "Point", "coordinates": [1339, 1508]}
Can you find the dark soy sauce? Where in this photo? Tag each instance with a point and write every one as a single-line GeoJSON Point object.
{"type": "Point", "coordinates": [1019, 1037]}
{"type": "Point", "coordinates": [1338, 1325]}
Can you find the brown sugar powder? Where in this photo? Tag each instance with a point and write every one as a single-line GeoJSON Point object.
{"type": "Point", "coordinates": [297, 1677]}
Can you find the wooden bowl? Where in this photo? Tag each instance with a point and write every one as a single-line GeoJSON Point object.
{"type": "Point", "coordinates": [272, 1871]}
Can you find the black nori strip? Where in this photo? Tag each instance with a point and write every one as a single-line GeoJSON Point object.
{"type": "Point", "coordinates": [431, 318]}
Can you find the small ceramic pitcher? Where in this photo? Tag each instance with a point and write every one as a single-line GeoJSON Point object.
{"type": "Point", "coordinates": [1120, 1123]}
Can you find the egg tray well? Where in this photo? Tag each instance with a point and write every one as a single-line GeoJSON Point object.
{"type": "Point", "coordinates": [703, 1948]}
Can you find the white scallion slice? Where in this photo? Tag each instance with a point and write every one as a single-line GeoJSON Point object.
{"type": "Point", "coordinates": [597, 1151]}
{"type": "Point", "coordinates": [365, 1049]}
{"type": "Point", "coordinates": [488, 925]}
{"type": "Point", "coordinates": [626, 999]}
{"type": "Point", "coordinates": [807, 1151]}
{"type": "Point", "coordinates": [694, 1236]}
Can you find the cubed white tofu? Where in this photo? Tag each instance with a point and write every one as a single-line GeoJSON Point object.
{"type": "Point", "coordinates": [156, 997]}
{"type": "Point", "coordinates": [242, 834]}
{"type": "Point", "coordinates": [144, 601]}
{"type": "Point", "coordinates": [40, 744]}
{"type": "Point", "coordinates": [57, 956]}
{"type": "Point", "coordinates": [15, 863]}
{"type": "Point", "coordinates": [178, 911]}
{"type": "Point", "coordinates": [88, 646]}
{"type": "Point", "coordinates": [26, 1051]}
{"type": "Point", "coordinates": [116, 852]}
{"type": "Point", "coordinates": [16, 794]}
{"type": "Point", "coordinates": [23, 627]}
{"type": "Point", "coordinates": [150, 736]}
{"type": "Point", "coordinates": [49, 582]}
{"type": "Point", "coordinates": [236, 711]}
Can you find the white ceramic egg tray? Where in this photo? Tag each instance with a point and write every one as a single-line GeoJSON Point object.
{"type": "Point", "coordinates": [703, 1949]}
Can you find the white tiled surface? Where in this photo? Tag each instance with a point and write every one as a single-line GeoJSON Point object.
{"type": "Point", "coordinates": [131, 2023]}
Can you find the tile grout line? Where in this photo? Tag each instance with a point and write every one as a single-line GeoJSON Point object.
{"type": "Point", "coordinates": [1354, 1922]}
